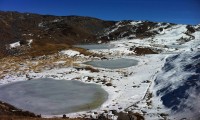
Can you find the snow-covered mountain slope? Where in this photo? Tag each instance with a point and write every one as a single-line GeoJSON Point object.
{"type": "Point", "coordinates": [147, 29]}
{"type": "Point", "coordinates": [159, 37]}
{"type": "Point", "coordinates": [178, 85]}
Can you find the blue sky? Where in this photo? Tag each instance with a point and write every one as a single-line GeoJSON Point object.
{"type": "Point", "coordinates": [175, 11]}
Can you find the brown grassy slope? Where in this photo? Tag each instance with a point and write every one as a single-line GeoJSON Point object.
{"type": "Point", "coordinates": [48, 29]}
{"type": "Point", "coordinates": [49, 48]}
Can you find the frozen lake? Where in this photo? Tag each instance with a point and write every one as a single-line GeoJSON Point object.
{"type": "Point", "coordinates": [53, 97]}
{"type": "Point", "coordinates": [113, 64]}
{"type": "Point", "coordinates": [96, 46]}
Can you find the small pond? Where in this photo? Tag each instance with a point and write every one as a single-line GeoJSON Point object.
{"type": "Point", "coordinates": [95, 46]}
{"type": "Point", "coordinates": [53, 97]}
{"type": "Point", "coordinates": [113, 64]}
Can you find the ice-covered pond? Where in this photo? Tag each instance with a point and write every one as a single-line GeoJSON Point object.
{"type": "Point", "coordinates": [95, 46]}
{"type": "Point", "coordinates": [53, 97]}
{"type": "Point", "coordinates": [113, 64]}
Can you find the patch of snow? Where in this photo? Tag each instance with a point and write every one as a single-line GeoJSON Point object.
{"type": "Point", "coordinates": [42, 24]}
{"type": "Point", "coordinates": [30, 34]}
{"type": "Point", "coordinates": [14, 45]}
{"type": "Point", "coordinates": [29, 42]}
{"type": "Point", "coordinates": [56, 20]}
{"type": "Point", "coordinates": [99, 41]}
{"type": "Point", "coordinates": [134, 23]}
{"type": "Point", "coordinates": [69, 53]}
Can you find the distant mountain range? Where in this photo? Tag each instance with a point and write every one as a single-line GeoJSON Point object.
{"type": "Point", "coordinates": [48, 33]}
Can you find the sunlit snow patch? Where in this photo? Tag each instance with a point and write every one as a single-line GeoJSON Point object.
{"type": "Point", "coordinates": [69, 53]}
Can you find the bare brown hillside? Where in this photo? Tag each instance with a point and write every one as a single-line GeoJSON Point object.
{"type": "Point", "coordinates": [51, 32]}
